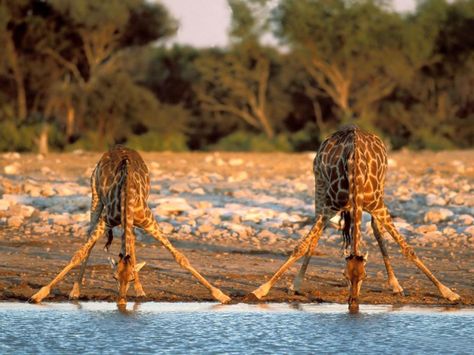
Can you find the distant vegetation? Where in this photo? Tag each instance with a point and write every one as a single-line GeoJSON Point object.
{"type": "Point", "coordinates": [85, 74]}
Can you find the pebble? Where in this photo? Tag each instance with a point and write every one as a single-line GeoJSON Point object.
{"type": "Point", "coordinates": [241, 176]}
{"type": "Point", "coordinates": [172, 205]}
{"type": "Point", "coordinates": [434, 200]}
{"type": "Point", "coordinates": [465, 219]}
{"type": "Point", "coordinates": [236, 162]}
{"type": "Point", "coordinates": [179, 188]}
{"type": "Point", "coordinates": [469, 231]}
{"type": "Point", "coordinates": [438, 215]}
{"type": "Point", "coordinates": [11, 169]}
{"type": "Point", "coordinates": [15, 221]}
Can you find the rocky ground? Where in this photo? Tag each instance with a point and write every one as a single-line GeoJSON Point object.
{"type": "Point", "coordinates": [237, 217]}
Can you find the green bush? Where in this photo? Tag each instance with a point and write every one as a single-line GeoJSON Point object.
{"type": "Point", "coordinates": [90, 141]}
{"type": "Point", "coordinates": [241, 141]}
{"type": "Point", "coordinates": [154, 141]}
{"type": "Point", "coordinates": [21, 139]}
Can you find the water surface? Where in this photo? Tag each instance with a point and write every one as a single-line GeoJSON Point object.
{"type": "Point", "coordinates": [201, 328]}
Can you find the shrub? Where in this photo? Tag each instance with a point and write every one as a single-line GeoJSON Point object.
{"type": "Point", "coordinates": [245, 142]}
{"type": "Point", "coordinates": [154, 141]}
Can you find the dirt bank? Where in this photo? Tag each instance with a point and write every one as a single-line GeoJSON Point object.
{"type": "Point", "coordinates": [236, 217]}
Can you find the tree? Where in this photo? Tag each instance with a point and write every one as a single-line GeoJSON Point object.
{"type": "Point", "coordinates": [236, 82]}
{"type": "Point", "coordinates": [355, 51]}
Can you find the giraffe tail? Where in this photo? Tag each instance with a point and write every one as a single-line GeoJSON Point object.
{"type": "Point", "coordinates": [346, 229]}
{"type": "Point", "coordinates": [126, 210]}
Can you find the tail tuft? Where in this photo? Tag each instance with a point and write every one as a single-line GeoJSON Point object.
{"type": "Point", "coordinates": [346, 231]}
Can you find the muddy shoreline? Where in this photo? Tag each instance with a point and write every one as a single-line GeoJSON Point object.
{"type": "Point", "coordinates": [236, 217]}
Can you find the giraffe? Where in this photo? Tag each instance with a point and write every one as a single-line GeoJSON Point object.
{"type": "Point", "coordinates": [120, 187]}
{"type": "Point", "coordinates": [349, 172]}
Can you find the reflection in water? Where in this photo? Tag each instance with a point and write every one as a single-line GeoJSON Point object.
{"type": "Point", "coordinates": [196, 328]}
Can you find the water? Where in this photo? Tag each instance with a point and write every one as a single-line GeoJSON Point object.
{"type": "Point", "coordinates": [202, 328]}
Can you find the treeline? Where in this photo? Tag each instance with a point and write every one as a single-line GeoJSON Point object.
{"type": "Point", "coordinates": [86, 74]}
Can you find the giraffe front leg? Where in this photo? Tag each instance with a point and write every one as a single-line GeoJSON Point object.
{"type": "Point", "coordinates": [295, 288]}
{"type": "Point", "coordinates": [96, 211]}
{"type": "Point", "coordinates": [136, 284]}
{"type": "Point", "coordinates": [392, 279]}
{"type": "Point", "coordinates": [156, 233]}
{"type": "Point", "coordinates": [78, 257]}
{"type": "Point", "coordinates": [384, 218]}
{"type": "Point", "coordinates": [298, 252]}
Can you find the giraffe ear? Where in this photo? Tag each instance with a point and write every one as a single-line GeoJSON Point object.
{"type": "Point", "coordinates": [366, 256]}
{"type": "Point", "coordinates": [138, 267]}
{"type": "Point", "coordinates": [113, 263]}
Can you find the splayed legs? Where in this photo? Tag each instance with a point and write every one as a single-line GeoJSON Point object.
{"type": "Point", "coordinates": [78, 257]}
{"type": "Point", "coordinates": [392, 279]}
{"type": "Point", "coordinates": [156, 233]}
{"type": "Point", "coordinates": [300, 250]}
{"type": "Point", "coordinates": [384, 218]}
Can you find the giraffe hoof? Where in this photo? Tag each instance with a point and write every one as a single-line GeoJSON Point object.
{"type": "Point", "coordinates": [40, 295]}
{"type": "Point", "coordinates": [140, 293]}
{"type": "Point", "coordinates": [75, 292]}
{"type": "Point", "coordinates": [221, 296]}
{"type": "Point", "coordinates": [448, 294]}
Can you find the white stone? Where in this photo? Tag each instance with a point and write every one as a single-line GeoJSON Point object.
{"type": "Point", "coordinates": [11, 169]}
{"type": "Point", "coordinates": [241, 176]}
{"type": "Point", "coordinates": [43, 228]}
{"type": "Point", "coordinates": [267, 237]}
{"type": "Point", "coordinates": [205, 228]}
{"type": "Point", "coordinates": [426, 228]}
{"type": "Point", "coordinates": [432, 200]}
{"type": "Point", "coordinates": [4, 205]}
{"type": "Point", "coordinates": [172, 205]}
{"type": "Point", "coordinates": [26, 211]}
{"type": "Point", "coordinates": [392, 163]}
{"type": "Point", "coordinates": [465, 219]}
{"type": "Point", "coordinates": [438, 215]}
{"type": "Point", "coordinates": [236, 162]}
{"type": "Point", "coordinates": [60, 219]}
{"type": "Point", "coordinates": [15, 221]}
{"type": "Point", "coordinates": [166, 227]}
{"type": "Point", "coordinates": [64, 190]}
{"type": "Point", "coordinates": [47, 191]}
{"type": "Point", "coordinates": [469, 231]}
{"type": "Point", "coordinates": [199, 191]}
{"type": "Point", "coordinates": [179, 188]}
{"type": "Point", "coordinates": [11, 155]}
{"type": "Point", "coordinates": [300, 186]}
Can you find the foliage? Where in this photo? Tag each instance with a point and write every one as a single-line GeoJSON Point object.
{"type": "Point", "coordinates": [244, 141]}
{"type": "Point", "coordinates": [156, 141]}
{"type": "Point", "coordinates": [91, 74]}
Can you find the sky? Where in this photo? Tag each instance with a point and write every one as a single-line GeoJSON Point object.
{"type": "Point", "coordinates": [205, 23]}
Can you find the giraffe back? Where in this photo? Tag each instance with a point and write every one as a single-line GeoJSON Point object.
{"type": "Point", "coordinates": [334, 173]}
{"type": "Point", "coordinates": [108, 179]}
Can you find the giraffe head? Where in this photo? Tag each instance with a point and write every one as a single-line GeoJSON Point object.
{"type": "Point", "coordinates": [124, 274]}
{"type": "Point", "coordinates": [355, 274]}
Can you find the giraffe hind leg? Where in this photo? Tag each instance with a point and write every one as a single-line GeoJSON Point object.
{"type": "Point", "coordinates": [384, 218]}
{"type": "Point", "coordinates": [137, 284]}
{"type": "Point", "coordinates": [392, 279]}
{"type": "Point", "coordinates": [295, 288]}
{"type": "Point", "coordinates": [298, 252]}
{"type": "Point", "coordinates": [154, 230]}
